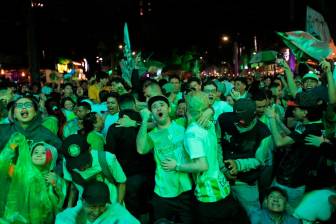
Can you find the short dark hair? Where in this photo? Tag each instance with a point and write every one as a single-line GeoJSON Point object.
{"type": "Point", "coordinates": [67, 84]}
{"type": "Point", "coordinates": [101, 75]}
{"type": "Point", "coordinates": [89, 121]}
{"type": "Point", "coordinates": [84, 104]}
{"type": "Point", "coordinates": [259, 96]}
{"type": "Point", "coordinates": [113, 95]}
{"type": "Point", "coordinates": [181, 101]}
{"type": "Point", "coordinates": [210, 82]}
{"type": "Point", "coordinates": [103, 95]}
{"type": "Point", "coordinates": [242, 80]}
{"type": "Point", "coordinates": [194, 79]}
{"type": "Point", "coordinates": [174, 77]}
{"type": "Point", "coordinates": [65, 99]}
{"type": "Point", "coordinates": [122, 81]}
{"type": "Point", "coordinates": [126, 98]}
{"type": "Point", "coordinates": [96, 192]}
{"type": "Point", "coordinates": [274, 85]}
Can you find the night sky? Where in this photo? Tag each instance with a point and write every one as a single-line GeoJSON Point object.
{"type": "Point", "coordinates": [85, 28]}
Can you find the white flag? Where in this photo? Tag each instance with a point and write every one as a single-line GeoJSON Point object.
{"type": "Point", "coordinates": [316, 25]}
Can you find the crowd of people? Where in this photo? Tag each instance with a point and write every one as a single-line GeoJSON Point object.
{"type": "Point", "coordinates": [248, 149]}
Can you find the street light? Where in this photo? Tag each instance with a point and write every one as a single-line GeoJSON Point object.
{"type": "Point", "coordinates": [225, 38]}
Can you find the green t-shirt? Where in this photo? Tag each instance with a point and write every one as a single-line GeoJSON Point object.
{"type": "Point", "coordinates": [211, 185]}
{"type": "Point", "coordinates": [51, 123]}
{"type": "Point", "coordinates": [168, 143]}
{"type": "Point", "coordinates": [95, 171]}
{"type": "Point", "coordinates": [96, 140]}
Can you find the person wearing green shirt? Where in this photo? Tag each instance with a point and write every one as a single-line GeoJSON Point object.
{"type": "Point", "coordinates": [214, 201]}
{"type": "Point", "coordinates": [172, 192]}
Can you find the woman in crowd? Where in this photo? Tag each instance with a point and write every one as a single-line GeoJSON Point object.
{"type": "Point", "coordinates": [32, 192]}
{"type": "Point", "coordinates": [93, 124]}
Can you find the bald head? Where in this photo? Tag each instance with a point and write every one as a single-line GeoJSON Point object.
{"type": "Point", "coordinates": [152, 89]}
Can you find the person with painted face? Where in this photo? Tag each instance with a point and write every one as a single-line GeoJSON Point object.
{"type": "Point", "coordinates": [27, 121]}
{"type": "Point", "coordinates": [245, 143]}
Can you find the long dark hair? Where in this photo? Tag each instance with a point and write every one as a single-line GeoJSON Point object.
{"type": "Point", "coordinates": [88, 123]}
{"type": "Point", "coordinates": [53, 108]}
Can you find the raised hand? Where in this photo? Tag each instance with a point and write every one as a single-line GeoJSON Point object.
{"type": "Point", "coordinates": [314, 140]}
{"type": "Point", "coordinates": [125, 122]}
{"type": "Point", "coordinates": [145, 114]}
{"type": "Point", "coordinates": [325, 65]}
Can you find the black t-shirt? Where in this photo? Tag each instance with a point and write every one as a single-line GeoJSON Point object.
{"type": "Point", "coordinates": [300, 159]}
{"type": "Point", "coordinates": [236, 145]}
{"type": "Point", "coordinates": [121, 141]}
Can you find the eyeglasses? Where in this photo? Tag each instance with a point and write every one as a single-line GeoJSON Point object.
{"type": "Point", "coordinates": [209, 90]}
{"type": "Point", "coordinates": [26, 105]}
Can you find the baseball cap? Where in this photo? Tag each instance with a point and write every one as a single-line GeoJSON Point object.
{"type": "Point", "coordinates": [76, 151]}
{"type": "Point", "coordinates": [245, 110]}
{"type": "Point", "coordinates": [96, 192]}
{"type": "Point", "coordinates": [310, 75]}
{"type": "Point", "coordinates": [277, 189]}
{"type": "Point", "coordinates": [157, 98]}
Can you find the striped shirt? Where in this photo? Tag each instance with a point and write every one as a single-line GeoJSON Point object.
{"type": "Point", "coordinates": [211, 185]}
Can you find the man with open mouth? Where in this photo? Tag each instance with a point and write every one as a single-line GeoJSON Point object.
{"type": "Point", "coordinates": [27, 121]}
{"type": "Point", "coordinates": [172, 193]}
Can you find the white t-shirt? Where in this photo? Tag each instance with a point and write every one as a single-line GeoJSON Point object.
{"type": "Point", "coordinates": [220, 107]}
{"type": "Point", "coordinates": [109, 120]}
{"type": "Point", "coordinates": [115, 213]}
{"type": "Point", "coordinates": [211, 185]}
{"type": "Point", "coordinates": [315, 206]}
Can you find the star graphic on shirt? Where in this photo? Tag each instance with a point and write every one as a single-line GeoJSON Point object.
{"type": "Point", "coordinates": [227, 137]}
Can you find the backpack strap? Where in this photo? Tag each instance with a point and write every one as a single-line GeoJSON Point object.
{"type": "Point", "coordinates": [105, 169]}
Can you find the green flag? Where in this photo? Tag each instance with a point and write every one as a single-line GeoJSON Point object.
{"type": "Point", "coordinates": [127, 64]}
{"type": "Point", "coordinates": [305, 46]}
{"type": "Point", "coordinates": [127, 41]}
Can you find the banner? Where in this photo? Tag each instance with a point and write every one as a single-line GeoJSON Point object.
{"type": "Point", "coordinates": [316, 26]}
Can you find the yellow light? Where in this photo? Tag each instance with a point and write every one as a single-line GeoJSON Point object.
{"type": "Point", "coordinates": [61, 68]}
{"type": "Point", "coordinates": [225, 38]}
{"type": "Point", "coordinates": [23, 74]}
{"type": "Point", "coordinates": [2, 72]}
{"type": "Point", "coordinates": [120, 46]}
